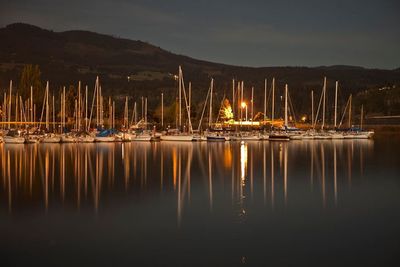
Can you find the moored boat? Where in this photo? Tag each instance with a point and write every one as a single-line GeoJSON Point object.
{"type": "Point", "coordinates": [177, 138]}
{"type": "Point", "coordinates": [13, 137]}
{"type": "Point", "coordinates": [279, 136]}
{"type": "Point", "coordinates": [68, 138]}
{"type": "Point", "coordinates": [104, 139]}
{"type": "Point", "coordinates": [105, 136]}
{"type": "Point", "coordinates": [50, 138]}
{"type": "Point", "coordinates": [143, 137]}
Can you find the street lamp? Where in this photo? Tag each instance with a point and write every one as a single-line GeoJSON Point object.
{"type": "Point", "coordinates": [244, 105]}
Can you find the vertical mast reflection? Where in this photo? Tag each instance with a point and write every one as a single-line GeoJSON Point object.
{"type": "Point", "coordinates": [323, 175]}
{"type": "Point", "coordinates": [264, 175]}
{"type": "Point", "coordinates": [285, 178]}
{"type": "Point", "coordinates": [210, 188]}
{"type": "Point", "coordinates": [9, 181]}
{"type": "Point", "coordinates": [243, 172]}
{"type": "Point", "coordinates": [335, 173]}
{"type": "Point", "coordinates": [272, 178]}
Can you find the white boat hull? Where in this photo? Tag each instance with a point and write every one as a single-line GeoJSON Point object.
{"type": "Point", "coordinates": [51, 140]}
{"type": "Point", "coordinates": [322, 137]}
{"type": "Point", "coordinates": [279, 137]}
{"type": "Point", "coordinates": [177, 138]}
{"type": "Point", "coordinates": [142, 138]}
{"type": "Point", "coordinates": [337, 136]}
{"type": "Point", "coordinates": [13, 140]}
{"type": "Point", "coordinates": [296, 137]}
{"type": "Point", "coordinates": [106, 139]}
{"type": "Point", "coordinates": [214, 138]}
{"type": "Point", "coordinates": [85, 139]}
{"type": "Point", "coordinates": [68, 139]}
{"type": "Point", "coordinates": [199, 138]}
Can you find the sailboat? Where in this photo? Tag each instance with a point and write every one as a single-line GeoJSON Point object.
{"type": "Point", "coordinates": [13, 137]}
{"type": "Point", "coordinates": [322, 134]}
{"type": "Point", "coordinates": [213, 136]}
{"type": "Point", "coordinates": [336, 134]}
{"type": "Point", "coordinates": [281, 135]}
{"type": "Point", "coordinates": [361, 134]}
{"type": "Point", "coordinates": [100, 135]}
{"type": "Point", "coordinates": [49, 137]}
{"type": "Point", "coordinates": [176, 135]}
{"type": "Point", "coordinates": [84, 137]}
{"type": "Point", "coordinates": [141, 133]}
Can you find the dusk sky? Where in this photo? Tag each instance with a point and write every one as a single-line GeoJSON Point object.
{"type": "Point", "coordinates": [252, 33]}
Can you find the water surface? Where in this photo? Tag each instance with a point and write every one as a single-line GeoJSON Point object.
{"type": "Point", "coordinates": [321, 203]}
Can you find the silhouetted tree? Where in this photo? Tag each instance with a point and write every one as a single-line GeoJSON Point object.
{"type": "Point", "coordinates": [31, 76]}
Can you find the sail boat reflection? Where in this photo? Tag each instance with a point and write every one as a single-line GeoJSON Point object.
{"type": "Point", "coordinates": [181, 152]}
{"type": "Point", "coordinates": [285, 171]}
{"type": "Point", "coordinates": [86, 174]}
{"type": "Point", "coordinates": [272, 177]}
{"type": "Point", "coordinates": [243, 174]}
{"type": "Point", "coordinates": [323, 175]}
{"type": "Point", "coordinates": [335, 173]}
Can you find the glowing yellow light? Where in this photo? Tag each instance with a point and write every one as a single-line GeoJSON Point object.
{"type": "Point", "coordinates": [243, 162]}
{"type": "Point", "coordinates": [303, 118]}
{"type": "Point", "coordinates": [228, 114]}
{"type": "Point", "coordinates": [244, 104]}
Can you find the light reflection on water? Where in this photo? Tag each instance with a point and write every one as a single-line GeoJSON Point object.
{"type": "Point", "coordinates": [264, 203]}
{"type": "Point", "coordinates": [83, 173]}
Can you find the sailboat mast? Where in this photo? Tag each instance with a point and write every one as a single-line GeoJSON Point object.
{"type": "Point", "coordinates": [286, 105]}
{"type": "Point", "coordinates": [273, 101]}
{"type": "Point", "coordinates": [187, 106]}
{"type": "Point", "coordinates": [312, 108]}
{"type": "Point", "coordinates": [162, 110]}
{"type": "Point", "coordinates": [54, 116]}
{"type": "Point", "coordinates": [76, 114]}
{"type": "Point", "coordinates": [362, 117]}
{"type": "Point", "coordinates": [252, 104]}
{"type": "Point", "coordinates": [142, 112]}
{"type": "Point", "coordinates": [336, 95]}
{"type": "Point", "coordinates": [110, 112]}
{"type": "Point", "coordinates": [265, 99]}
{"type": "Point", "coordinates": [61, 113]}
{"type": "Point", "coordinates": [190, 100]}
{"type": "Point", "coordinates": [350, 99]}
{"type": "Point", "coordinates": [241, 100]}
{"type": "Point", "coordinates": [96, 89]}
{"type": "Point", "coordinates": [113, 115]}
{"type": "Point", "coordinates": [180, 98]}
{"type": "Point", "coordinates": [233, 98]}
{"type": "Point", "coordinates": [211, 98]}
{"type": "Point", "coordinates": [3, 119]}
{"type": "Point", "coordinates": [86, 106]}
{"type": "Point", "coordinates": [47, 106]}
{"type": "Point", "coordinates": [31, 103]}
{"type": "Point", "coordinates": [16, 109]}
{"type": "Point", "coordinates": [135, 111]}
{"type": "Point", "coordinates": [323, 105]}
{"type": "Point", "coordinates": [126, 113]}
{"type": "Point", "coordinates": [65, 108]}
{"type": "Point", "coordinates": [9, 105]}
{"type": "Point", "coordinates": [145, 112]}
{"type": "Point", "coordinates": [239, 88]}
{"type": "Point", "coordinates": [79, 106]}
{"type": "Point", "coordinates": [101, 108]}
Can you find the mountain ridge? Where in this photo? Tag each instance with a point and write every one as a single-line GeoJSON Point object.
{"type": "Point", "coordinates": [69, 56]}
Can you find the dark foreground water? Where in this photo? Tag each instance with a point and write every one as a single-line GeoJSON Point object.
{"type": "Point", "coordinates": [310, 203]}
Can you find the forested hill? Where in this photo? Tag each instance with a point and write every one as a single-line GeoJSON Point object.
{"type": "Point", "coordinates": [66, 57]}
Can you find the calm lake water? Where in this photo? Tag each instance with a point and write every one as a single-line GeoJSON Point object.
{"type": "Point", "coordinates": [313, 203]}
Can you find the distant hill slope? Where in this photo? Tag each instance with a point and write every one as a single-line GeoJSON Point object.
{"type": "Point", "coordinates": [66, 57]}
